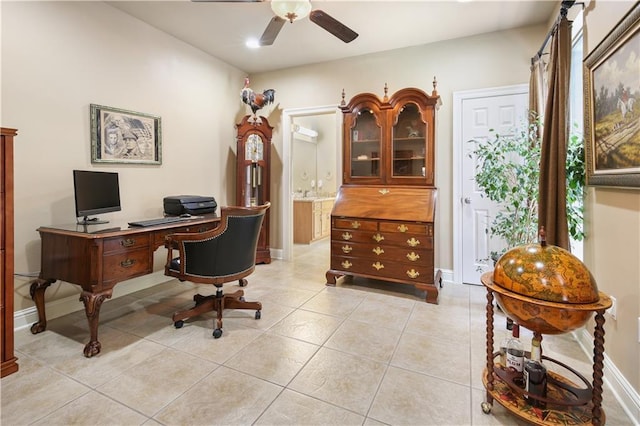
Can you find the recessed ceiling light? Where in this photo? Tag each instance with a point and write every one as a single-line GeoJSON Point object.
{"type": "Point", "coordinates": [253, 43]}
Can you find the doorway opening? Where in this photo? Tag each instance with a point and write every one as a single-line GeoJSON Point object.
{"type": "Point", "coordinates": [328, 123]}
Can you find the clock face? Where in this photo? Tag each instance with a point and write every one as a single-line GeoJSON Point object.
{"type": "Point", "coordinates": [254, 150]}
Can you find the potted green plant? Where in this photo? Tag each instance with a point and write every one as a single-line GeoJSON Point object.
{"type": "Point", "coordinates": [508, 173]}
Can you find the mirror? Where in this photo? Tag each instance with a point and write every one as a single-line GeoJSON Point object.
{"type": "Point", "coordinates": [314, 156]}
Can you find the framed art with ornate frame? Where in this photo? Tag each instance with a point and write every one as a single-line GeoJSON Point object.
{"type": "Point", "coordinates": [122, 136]}
{"type": "Point", "coordinates": [612, 106]}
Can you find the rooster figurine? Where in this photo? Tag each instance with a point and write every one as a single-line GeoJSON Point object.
{"type": "Point", "coordinates": [256, 100]}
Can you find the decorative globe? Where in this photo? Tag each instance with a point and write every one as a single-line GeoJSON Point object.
{"type": "Point", "coordinates": [545, 288]}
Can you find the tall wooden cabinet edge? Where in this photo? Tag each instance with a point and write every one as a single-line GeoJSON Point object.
{"type": "Point", "coordinates": [9, 364]}
{"type": "Point", "coordinates": [250, 125]}
{"type": "Point", "coordinates": [383, 218]}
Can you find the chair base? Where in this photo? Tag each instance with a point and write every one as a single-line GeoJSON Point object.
{"type": "Point", "coordinates": [217, 302]}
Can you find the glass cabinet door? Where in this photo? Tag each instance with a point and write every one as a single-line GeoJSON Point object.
{"type": "Point", "coordinates": [366, 136]}
{"type": "Point", "coordinates": [409, 136]}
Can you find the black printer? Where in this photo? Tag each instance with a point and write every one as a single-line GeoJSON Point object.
{"type": "Point", "coordinates": [192, 204]}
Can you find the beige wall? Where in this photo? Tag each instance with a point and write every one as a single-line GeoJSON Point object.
{"type": "Point", "coordinates": [59, 57]}
{"type": "Point", "coordinates": [612, 225]}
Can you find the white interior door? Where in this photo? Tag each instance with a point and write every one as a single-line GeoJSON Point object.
{"type": "Point", "coordinates": [504, 113]}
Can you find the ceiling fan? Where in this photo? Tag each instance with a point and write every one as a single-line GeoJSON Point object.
{"type": "Point", "coordinates": [293, 10]}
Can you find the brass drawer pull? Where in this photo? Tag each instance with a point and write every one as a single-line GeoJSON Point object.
{"type": "Point", "coordinates": [413, 273]}
{"type": "Point", "coordinates": [413, 256]}
{"type": "Point", "coordinates": [346, 264]}
{"type": "Point", "coordinates": [378, 238]}
{"type": "Point", "coordinates": [413, 242]}
{"type": "Point", "coordinates": [127, 263]}
{"type": "Point", "coordinates": [378, 266]}
{"type": "Point", "coordinates": [384, 191]}
{"type": "Point", "coordinates": [346, 249]}
{"type": "Point", "coordinates": [403, 228]}
{"type": "Point", "coordinates": [378, 251]}
{"type": "Point", "coordinates": [355, 224]}
{"type": "Point", "coordinates": [347, 236]}
{"type": "Point", "coordinates": [128, 242]}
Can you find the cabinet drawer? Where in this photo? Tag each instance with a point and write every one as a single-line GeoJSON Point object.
{"type": "Point", "coordinates": [124, 243]}
{"type": "Point", "coordinates": [125, 265]}
{"type": "Point", "coordinates": [352, 236]}
{"type": "Point", "coordinates": [415, 241]}
{"type": "Point", "coordinates": [380, 252]}
{"type": "Point", "coordinates": [355, 224]}
{"type": "Point", "coordinates": [421, 273]}
{"type": "Point", "coordinates": [405, 228]}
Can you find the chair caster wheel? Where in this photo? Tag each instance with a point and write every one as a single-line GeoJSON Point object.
{"type": "Point", "coordinates": [486, 407]}
{"type": "Point", "coordinates": [217, 333]}
{"type": "Point", "coordinates": [258, 315]}
{"type": "Point", "coordinates": [178, 324]}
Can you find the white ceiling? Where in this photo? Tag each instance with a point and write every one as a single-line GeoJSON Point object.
{"type": "Point", "coordinates": [221, 28]}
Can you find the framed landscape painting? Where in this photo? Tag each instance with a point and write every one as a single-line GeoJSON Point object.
{"type": "Point", "coordinates": [612, 106]}
{"type": "Point", "coordinates": [121, 136]}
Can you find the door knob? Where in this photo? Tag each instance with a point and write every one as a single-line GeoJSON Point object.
{"type": "Point", "coordinates": [467, 200]}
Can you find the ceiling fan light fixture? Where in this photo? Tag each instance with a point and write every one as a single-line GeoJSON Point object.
{"type": "Point", "coordinates": [291, 10]}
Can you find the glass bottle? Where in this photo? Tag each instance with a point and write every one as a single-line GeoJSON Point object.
{"type": "Point", "coordinates": [503, 351]}
{"type": "Point", "coordinates": [515, 351]}
{"type": "Point", "coordinates": [535, 375]}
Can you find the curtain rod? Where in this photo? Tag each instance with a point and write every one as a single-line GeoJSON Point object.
{"type": "Point", "coordinates": [566, 4]}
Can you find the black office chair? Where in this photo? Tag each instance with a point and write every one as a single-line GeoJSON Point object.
{"type": "Point", "coordinates": [218, 256]}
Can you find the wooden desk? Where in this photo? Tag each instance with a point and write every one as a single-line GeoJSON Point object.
{"type": "Point", "coordinates": [97, 257]}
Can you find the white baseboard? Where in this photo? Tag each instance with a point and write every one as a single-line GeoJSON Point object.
{"type": "Point", "coordinates": [57, 308]}
{"type": "Point", "coordinates": [626, 395]}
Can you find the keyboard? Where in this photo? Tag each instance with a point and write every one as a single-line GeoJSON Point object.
{"type": "Point", "coordinates": [158, 221]}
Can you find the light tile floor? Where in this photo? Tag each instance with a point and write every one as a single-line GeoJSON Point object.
{"type": "Point", "coordinates": [361, 353]}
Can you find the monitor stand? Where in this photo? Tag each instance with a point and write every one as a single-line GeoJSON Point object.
{"type": "Point", "coordinates": [91, 221]}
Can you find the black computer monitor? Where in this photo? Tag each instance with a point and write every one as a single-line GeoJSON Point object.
{"type": "Point", "coordinates": [95, 193]}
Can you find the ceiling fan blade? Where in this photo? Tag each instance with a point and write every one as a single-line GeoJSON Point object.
{"type": "Point", "coordinates": [335, 27]}
{"type": "Point", "coordinates": [272, 30]}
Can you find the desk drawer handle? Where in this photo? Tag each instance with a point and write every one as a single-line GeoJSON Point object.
{"type": "Point", "coordinates": [127, 263]}
{"type": "Point", "coordinates": [403, 228]}
{"type": "Point", "coordinates": [346, 249]}
{"type": "Point", "coordinates": [347, 236]}
{"type": "Point", "coordinates": [346, 264]}
{"type": "Point", "coordinates": [378, 251]}
{"type": "Point", "coordinates": [378, 238]}
{"type": "Point", "coordinates": [355, 224]}
{"type": "Point", "coordinates": [128, 242]}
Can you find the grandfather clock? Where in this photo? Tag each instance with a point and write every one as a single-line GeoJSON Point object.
{"type": "Point", "coordinates": [252, 173]}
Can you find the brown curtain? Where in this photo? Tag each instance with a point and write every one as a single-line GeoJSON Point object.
{"type": "Point", "coordinates": [552, 210]}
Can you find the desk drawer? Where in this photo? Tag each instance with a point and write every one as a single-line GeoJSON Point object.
{"type": "Point", "coordinates": [121, 266]}
{"type": "Point", "coordinates": [126, 242]}
{"type": "Point", "coordinates": [159, 236]}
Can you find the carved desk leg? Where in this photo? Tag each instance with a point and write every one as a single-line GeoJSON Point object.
{"type": "Point", "coordinates": [92, 303]}
{"type": "Point", "coordinates": [598, 358]}
{"type": "Point", "coordinates": [36, 290]}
